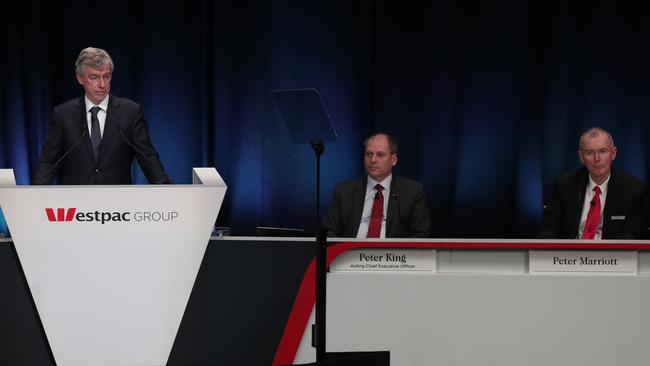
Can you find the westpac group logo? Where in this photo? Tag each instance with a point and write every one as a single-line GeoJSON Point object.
{"type": "Point", "coordinates": [103, 217]}
{"type": "Point", "coordinates": [62, 214]}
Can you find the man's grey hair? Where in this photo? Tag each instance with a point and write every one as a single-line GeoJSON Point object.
{"type": "Point", "coordinates": [92, 57]}
{"type": "Point", "coordinates": [594, 132]}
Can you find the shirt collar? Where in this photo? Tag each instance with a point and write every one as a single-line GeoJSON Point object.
{"type": "Point", "coordinates": [103, 105]}
{"type": "Point", "coordinates": [384, 183]}
{"type": "Point", "coordinates": [603, 186]}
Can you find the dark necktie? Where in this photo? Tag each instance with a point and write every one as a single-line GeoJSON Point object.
{"type": "Point", "coordinates": [593, 216]}
{"type": "Point", "coordinates": [95, 133]}
{"type": "Point", "coordinates": [377, 214]}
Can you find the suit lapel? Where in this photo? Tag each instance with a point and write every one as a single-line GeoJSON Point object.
{"type": "Point", "coordinates": [613, 194]}
{"type": "Point", "coordinates": [359, 199]}
{"type": "Point", "coordinates": [581, 187]}
{"type": "Point", "coordinates": [392, 209]}
{"type": "Point", "coordinates": [110, 127]}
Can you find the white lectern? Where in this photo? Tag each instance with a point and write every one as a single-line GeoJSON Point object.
{"type": "Point", "coordinates": [111, 268]}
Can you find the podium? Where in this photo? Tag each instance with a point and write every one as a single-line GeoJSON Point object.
{"type": "Point", "coordinates": [111, 268]}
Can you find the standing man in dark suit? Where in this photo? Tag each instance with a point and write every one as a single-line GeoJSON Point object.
{"type": "Point", "coordinates": [596, 202]}
{"type": "Point", "coordinates": [379, 205]}
{"type": "Point", "coordinates": [93, 139]}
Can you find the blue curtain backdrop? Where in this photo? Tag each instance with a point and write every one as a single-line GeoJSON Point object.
{"type": "Point", "coordinates": [487, 99]}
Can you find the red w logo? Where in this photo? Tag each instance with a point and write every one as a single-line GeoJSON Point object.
{"type": "Point", "coordinates": [61, 214]}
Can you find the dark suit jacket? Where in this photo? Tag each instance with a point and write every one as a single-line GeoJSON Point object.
{"type": "Point", "coordinates": [407, 215]}
{"type": "Point", "coordinates": [624, 216]}
{"type": "Point", "coordinates": [69, 126]}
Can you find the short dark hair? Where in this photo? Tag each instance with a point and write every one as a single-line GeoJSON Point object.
{"type": "Point", "coordinates": [392, 145]}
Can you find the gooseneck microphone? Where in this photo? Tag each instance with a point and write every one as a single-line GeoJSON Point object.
{"type": "Point", "coordinates": [135, 147]}
{"type": "Point", "coordinates": [577, 222]}
{"type": "Point", "coordinates": [395, 196]}
{"type": "Point", "coordinates": [579, 197]}
{"type": "Point", "coordinates": [167, 180]}
{"type": "Point", "coordinates": [49, 171]}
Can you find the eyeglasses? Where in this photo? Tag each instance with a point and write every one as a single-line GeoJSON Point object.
{"type": "Point", "coordinates": [94, 79]}
{"type": "Point", "coordinates": [592, 153]}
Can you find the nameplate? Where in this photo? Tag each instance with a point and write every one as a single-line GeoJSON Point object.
{"type": "Point", "coordinates": [583, 262]}
{"type": "Point", "coordinates": [385, 260]}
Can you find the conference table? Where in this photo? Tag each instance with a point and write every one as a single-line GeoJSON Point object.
{"type": "Point", "coordinates": [451, 302]}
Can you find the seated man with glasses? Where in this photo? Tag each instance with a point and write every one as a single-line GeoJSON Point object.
{"type": "Point", "coordinates": [596, 201]}
{"type": "Point", "coordinates": [94, 139]}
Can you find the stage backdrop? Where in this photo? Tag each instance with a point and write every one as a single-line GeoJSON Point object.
{"type": "Point", "coordinates": [487, 100]}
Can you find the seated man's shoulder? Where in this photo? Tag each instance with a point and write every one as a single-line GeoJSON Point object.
{"type": "Point", "coordinates": [572, 179]}
{"type": "Point", "coordinates": [407, 183]}
{"type": "Point", "coordinates": [573, 174]}
{"type": "Point", "coordinates": [628, 179]}
{"type": "Point", "coordinates": [350, 184]}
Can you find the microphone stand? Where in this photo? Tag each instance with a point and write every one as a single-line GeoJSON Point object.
{"type": "Point", "coordinates": [307, 120]}
{"type": "Point", "coordinates": [318, 329]}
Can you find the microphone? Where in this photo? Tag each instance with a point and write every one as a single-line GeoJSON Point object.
{"type": "Point", "coordinates": [135, 147]}
{"type": "Point", "coordinates": [395, 196]}
{"type": "Point", "coordinates": [577, 219]}
{"type": "Point", "coordinates": [47, 173]}
{"type": "Point", "coordinates": [151, 160]}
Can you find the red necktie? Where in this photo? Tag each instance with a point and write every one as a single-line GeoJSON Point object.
{"type": "Point", "coordinates": [593, 217]}
{"type": "Point", "coordinates": [377, 214]}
